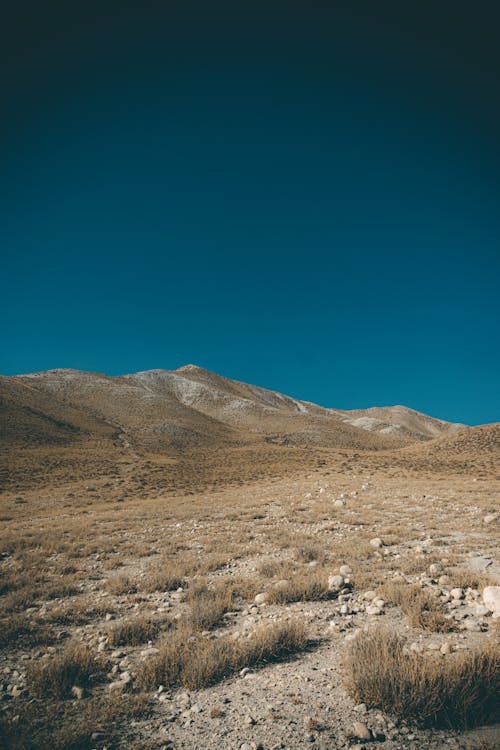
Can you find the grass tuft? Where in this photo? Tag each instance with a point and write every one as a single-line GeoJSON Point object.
{"type": "Point", "coordinates": [460, 691]}
{"type": "Point", "coordinates": [186, 659]}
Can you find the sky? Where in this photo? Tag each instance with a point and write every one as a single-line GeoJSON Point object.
{"type": "Point", "coordinates": [300, 195]}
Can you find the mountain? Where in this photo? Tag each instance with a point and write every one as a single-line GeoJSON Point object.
{"type": "Point", "coordinates": [64, 417]}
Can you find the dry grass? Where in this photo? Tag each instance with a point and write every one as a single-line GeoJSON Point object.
{"type": "Point", "coordinates": [69, 726]}
{"type": "Point", "coordinates": [54, 678]}
{"type": "Point", "coordinates": [460, 691]}
{"type": "Point", "coordinates": [307, 586]}
{"type": "Point", "coordinates": [135, 631]}
{"type": "Point", "coordinates": [208, 606]}
{"type": "Point", "coordinates": [191, 661]}
{"type": "Point", "coordinates": [421, 607]}
{"type": "Point", "coordinates": [121, 584]}
{"type": "Point", "coordinates": [17, 631]}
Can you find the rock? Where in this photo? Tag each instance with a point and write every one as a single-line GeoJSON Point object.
{"type": "Point", "coordinates": [361, 708]}
{"type": "Point", "coordinates": [478, 563]}
{"type": "Point", "coordinates": [446, 648]}
{"type": "Point", "coordinates": [345, 570]}
{"type": "Point", "coordinates": [435, 568]}
{"type": "Point", "coordinates": [126, 677]}
{"type": "Point", "coordinates": [339, 503]}
{"type": "Point", "coordinates": [369, 595]}
{"type": "Point", "coordinates": [489, 518]}
{"type": "Point", "coordinates": [249, 721]}
{"type": "Point", "coordinates": [444, 580]}
{"type": "Point", "coordinates": [361, 731]}
{"type": "Point", "coordinates": [77, 691]}
{"type": "Point", "coordinates": [373, 610]}
{"type": "Point", "coordinates": [457, 593]}
{"type": "Point", "coordinates": [472, 625]}
{"type": "Point", "coordinates": [376, 542]}
{"type": "Point", "coordinates": [261, 598]}
{"type": "Point", "coordinates": [481, 610]}
{"type": "Point", "coordinates": [335, 583]}
{"type": "Point", "coordinates": [149, 652]}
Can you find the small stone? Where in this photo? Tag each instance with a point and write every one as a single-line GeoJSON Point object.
{"type": "Point", "coordinates": [361, 731]}
{"type": "Point", "coordinates": [345, 570]}
{"type": "Point", "coordinates": [444, 580]}
{"type": "Point", "coordinates": [489, 518]}
{"type": "Point", "coordinates": [339, 503]}
{"type": "Point", "coordinates": [373, 610]}
{"type": "Point", "coordinates": [376, 542]}
{"type": "Point", "coordinates": [446, 649]}
{"type": "Point", "coordinates": [491, 598]}
{"type": "Point", "coordinates": [335, 583]}
{"type": "Point", "coordinates": [261, 598]}
{"type": "Point", "coordinates": [457, 593]}
{"type": "Point", "coordinates": [77, 691]}
{"type": "Point", "coordinates": [361, 708]}
{"type": "Point", "coordinates": [435, 568]}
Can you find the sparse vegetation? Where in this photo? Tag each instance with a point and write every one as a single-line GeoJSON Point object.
{"type": "Point", "coordinates": [208, 606]}
{"type": "Point", "coordinates": [135, 631]}
{"type": "Point", "coordinates": [306, 586]}
{"type": "Point", "coordinates": [75, 665]}
{"type": "Point", "coordinates": [192, 661]}
{"type": "Point", "coordinates": [460, 691]}
{"type": "Point", "coordinates": [421, 607]}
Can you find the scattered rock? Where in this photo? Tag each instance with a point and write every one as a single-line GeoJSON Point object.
{"type": "Point", "coordinates": [335, 583]}
{"type": "Point", "coordinates": [491, 598]}
{"type": "Point", "coordinates": [361, 731]}
{"type": "Point", "coordinates": [376, 542]}
{"type": "Point", "coordinates": [261, 598]}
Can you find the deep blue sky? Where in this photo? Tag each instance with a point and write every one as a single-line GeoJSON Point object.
{"type": "Point", "coordinates": [300, 195]}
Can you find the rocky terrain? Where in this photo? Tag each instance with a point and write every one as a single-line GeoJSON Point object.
{"type": "Point", "coordinates": [182, 568]}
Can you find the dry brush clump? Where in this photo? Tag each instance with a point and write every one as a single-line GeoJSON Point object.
{"type": "Point", "coordinates": [189, 660]}
{"type": "Point", "coordinates": [75, 665]}
{"type": "Point", "coordinates": [208, 606]}
{"type": "Point", "coordinates": [306, 586]}
{"type": "Point", "coordinates": [134, 632]}
{"type": "Point", "coordinates": [458, 691]}
{"type": "Point", "coordinates": [421, 607]}
{"type": "Point", "coordinates": [70, 725]}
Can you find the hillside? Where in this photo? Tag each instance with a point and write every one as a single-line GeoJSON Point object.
{"type": "Point", "coordinates": [195, 426]}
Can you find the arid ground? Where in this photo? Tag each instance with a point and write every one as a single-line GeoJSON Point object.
{"type": "Point", "coordinates": [205, 564]}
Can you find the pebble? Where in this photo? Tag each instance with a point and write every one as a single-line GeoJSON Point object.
{"type": "Point", "coordinates": [361, 731]}
{"type": "Point", "coordinates": [376, 542]}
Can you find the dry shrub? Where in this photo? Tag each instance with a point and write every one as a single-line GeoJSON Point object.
{"type": "Point", "coordinates": [121, 584]}
{"type": "Point", "coordinates": [169, 574]}
{"type": "Point", "coordinates": [309, 551]}
{"type": "Point", "coordinates": [465, 579]}
{"type": "Point", "coordinates": [208, 606]}
{"type": "Point", "coordinates": [54, 678]}
{"type": "Point", "coordinates": [460, 691]}
{"type": "Point", "coordinates": [135, 631]}
{"type": "Point", "coordinates": [187, 659]}
{"type": "Point", "coordinates": [273, 568]}
{"type": "Point", "coordinates": [69, 726]}
{"type": "Point", "coordinates": [307, 586]}
{"type": "Point", "coordinates": [421, 607]}
{"type": "Point", "coordinates": [18, 631]}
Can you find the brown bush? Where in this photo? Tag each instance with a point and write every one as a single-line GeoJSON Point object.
{"type": "Point", "coordinates": [459, 691]}
{"type": "Point", "coordinates": [189, 660]}
{"type": "Point", "coordinates": [421, 607]}
{"type": "Point", "coordinates": [307, 586]}
{"type": "Point", "coordinates": [135, 631]}
{"type": "Point", "coordinates": [54, 678]}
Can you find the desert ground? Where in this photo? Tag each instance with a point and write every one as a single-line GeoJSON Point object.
{"type": "Point", "coordinates": [231, 569]}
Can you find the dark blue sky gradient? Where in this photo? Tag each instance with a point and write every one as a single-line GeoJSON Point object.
{"type": "Point", "coordinates": [299, 195]}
